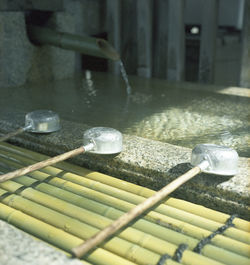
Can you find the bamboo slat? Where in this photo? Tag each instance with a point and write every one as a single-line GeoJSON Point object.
{"type": "Point", "coordinates": [150, 242]}
{"type": "Point", "coordinates": [133, 189]}
{"type": "Point", "coordinates": [215, 253]}
{"type": "Point", "coordinates": [172, 215]}
{"type": "Point", "coordinates": [118, 246]}
{"type": "Point", "coordinates": [63, 188]}
{"type": "Point", "coordinates": [79, 229]}
{"type": "Point", "coordinates": [55, 236]}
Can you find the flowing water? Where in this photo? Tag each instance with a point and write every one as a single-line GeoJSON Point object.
{"type": "Point", "coordinates": [182, 114]}
{"type": "Point", "coordinates": [125, 78]}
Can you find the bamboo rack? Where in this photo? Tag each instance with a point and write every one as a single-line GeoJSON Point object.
{"type": "Point", "coordinates": [82, 230]}
{"type": "Point", "coordinates": [55, 236]}
{"type": "Point", "coordinates": [133, 191]}
{"type": "Point", "coordinates": [79, 229]}
{"type": "Point", "coordinates": [190, 229]}
{"type": "Point", "coordinates": [133, 235]}
{"type": "Point", "coordinates": [174, 216]}
{"type": "Point", "coordinates": [85, 198]}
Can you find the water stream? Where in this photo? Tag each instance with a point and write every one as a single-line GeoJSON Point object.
{"type": "Point", "coordinates": [125, 78]}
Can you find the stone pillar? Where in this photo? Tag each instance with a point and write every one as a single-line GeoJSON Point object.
{"type": "Point", "coordinates": [160, 43]}
{"type": "Point", "coordinates": [208, 41]}
{"type": "Point", "coordinates": [176, 40]}
{"type": "Point", "coordinates": [15, 49]}
{"type": "Point", "coordinates": [245, 63]}
{"type": "Point", "coordinates": [144, 37]}
{"type": "Point", "coordinates": [114, 31]}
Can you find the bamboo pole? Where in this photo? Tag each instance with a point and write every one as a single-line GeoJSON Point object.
{"type": "Point", "coordinates": [125, 206]}
{"type": "Point", "coordinates": [144, 192]}
{"type": "Point", "coordinates": [41, 164]}
{"type": "Point", "coordinates": [54, 236]}
{"type": "Point", "coordinates": [82, 205]}
{"type": "Point", "coordinates": [190, 230]}
{"type": "Point", "coordinates": [139, 255]}
{"type": "Point", "coordinates": [87, 45]}
{"type": "Point", "coordinates": [152, 243]}
{"type": "Point", "coordinates": [177, 238]}
{"type": "Point", "coordinates": [136, 211]}
{"type": "Point", "coordinates": [132, 188]}
{"type": "Point", "coordinates": [11, 134]}
{"type": "Point", "coordinates": [118, 246]}
{"type": "Point", "coordinates": [136, 199]}
{"type": "Point", "coordinates": [163, 209]}
{"type": "Point", "coordinates": [136, 193]}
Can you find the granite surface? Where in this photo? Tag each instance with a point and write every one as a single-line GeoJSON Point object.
{"type": "Point", "coordinates": [145, 162]}
{"type": "Point", "coordinates": [30, 251]}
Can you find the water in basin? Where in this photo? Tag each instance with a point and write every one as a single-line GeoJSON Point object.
{"type": "Point", "coordinates": [179, 113]}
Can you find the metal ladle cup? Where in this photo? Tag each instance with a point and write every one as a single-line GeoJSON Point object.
{"type": "Point", "coordinates": [38, 121]}
{"type": "Point", "coordinates": [222, 160]}
{"type": "Point", "coordinates": [208, 158]}
{"type": "Point", "coordinates": [99, 140]}
{"type": "Point", "coordinates": [42, 121]}
{"type": "Point", "coordinates": [105, 140]}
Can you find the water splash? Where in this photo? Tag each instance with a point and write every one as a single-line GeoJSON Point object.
{"type": "Point", "coordinates": [125, 78]}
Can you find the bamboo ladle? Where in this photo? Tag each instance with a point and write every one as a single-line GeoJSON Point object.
{"type": "Point", "coordinates": [98, 140]}
{"type": "Point", "coordinates": [38, 121]}
{"type": "Point", "coordinates": [207, 158]}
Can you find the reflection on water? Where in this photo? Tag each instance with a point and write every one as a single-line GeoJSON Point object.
{"type": "Point", "coordinates": [155, 109]}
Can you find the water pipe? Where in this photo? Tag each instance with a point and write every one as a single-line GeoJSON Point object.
{"type": "Point", "coordinates": [84, 44]}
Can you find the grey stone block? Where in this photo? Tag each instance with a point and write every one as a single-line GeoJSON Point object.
{"type": "Point", "coordinates": [15, 49]}
{"type": "Point", "coordinates": [19, 248]}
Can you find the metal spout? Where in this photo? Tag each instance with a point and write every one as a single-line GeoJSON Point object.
{"type": "Point", "coordinates": [83, 44]}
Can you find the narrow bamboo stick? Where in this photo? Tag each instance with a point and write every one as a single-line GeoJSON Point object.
{"type": "Point", "coordinates": [133, 188]}
{"type": "Point", "coordinates": [152, 243]}
{"type": "Point", "coordinates": [123, 205]}
{"type": "Point", "coordinates": [218, 240]}
{"type": "Point", "coordinates": [39, 165]}
{"type": "Point", "coordinates": [54, 236]}
{"type": "Point", "coordinates": [11, 134]}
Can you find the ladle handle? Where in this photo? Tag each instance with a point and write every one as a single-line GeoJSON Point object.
{"type": "Point", "coordinates": [11, 134]}
{"type": "Point", "coordinates": [99, 237]}
{"type": "Point", "coordinates": [45, 163]}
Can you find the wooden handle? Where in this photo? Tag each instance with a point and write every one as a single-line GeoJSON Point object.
{"type": "Point", "coordinates": [11, 134]}
{"type": "Point", "coordinates": [99, 237]}
{"type": "Point", "coordinates": [45, 163]}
